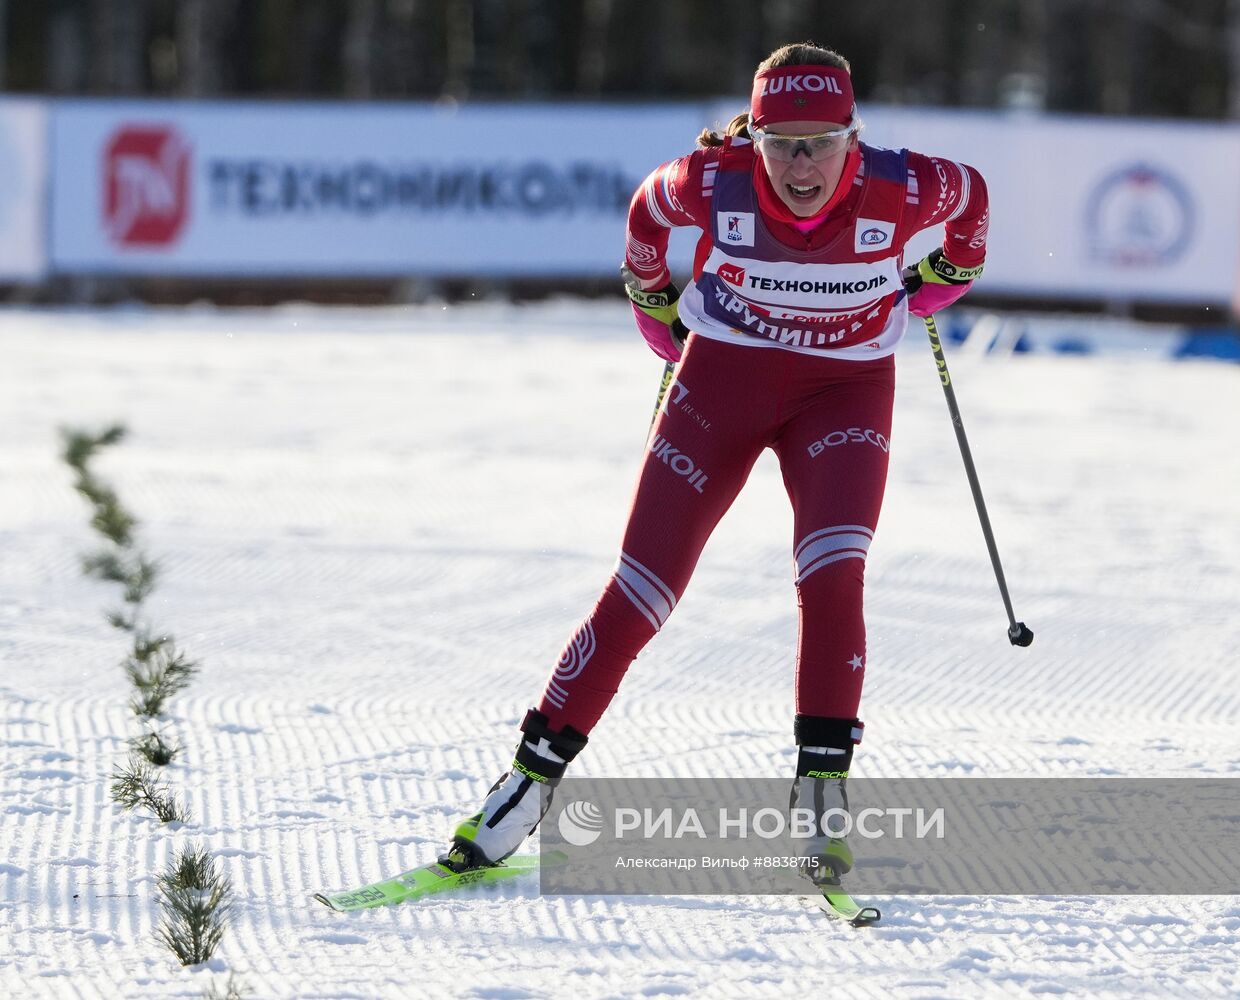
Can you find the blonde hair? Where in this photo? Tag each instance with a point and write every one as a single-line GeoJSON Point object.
{"type": "Point", "coordinates": [797, 54]}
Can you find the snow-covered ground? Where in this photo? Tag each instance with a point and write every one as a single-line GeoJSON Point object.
{"type": "Point", "coordinates": [376, 530]}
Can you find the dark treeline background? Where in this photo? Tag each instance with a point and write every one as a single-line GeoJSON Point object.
{"type": "Point", "coordinates": [1178, 58]}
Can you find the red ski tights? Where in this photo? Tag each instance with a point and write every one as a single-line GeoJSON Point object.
{"type": "Point", "coordinates": [829, 423]}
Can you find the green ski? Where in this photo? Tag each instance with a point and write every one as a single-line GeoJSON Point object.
{"type": "Point", "coordinates": [843, 906]}
{"type": "Point", "coordinates": [419, 883]}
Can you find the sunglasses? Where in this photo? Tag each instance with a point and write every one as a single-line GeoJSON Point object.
{"type": "Point", "coordinates": [816, 145]}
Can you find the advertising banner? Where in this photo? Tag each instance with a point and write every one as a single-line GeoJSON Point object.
{"type": "Point", "coordinates": [1085, 208]}
{"type": "Point", "coordinates": [237, 189]}
{"type": "Point", "coordinates": [23, 201]}
{"type": "Point", "coordinates": [1091, 207]}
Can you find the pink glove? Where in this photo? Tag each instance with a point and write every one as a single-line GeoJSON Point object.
{"type": "Point", "coordinates": [929, 299]}
{"type": "Point", "coordinates": [935, 283]}
{"type": "Point", "coordinates": [659, 335]}
{"type": "Point", "coordinates": [657, 318]}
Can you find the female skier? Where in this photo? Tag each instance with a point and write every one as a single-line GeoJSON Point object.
{"type": "Point", "coordinates": [785, 339]}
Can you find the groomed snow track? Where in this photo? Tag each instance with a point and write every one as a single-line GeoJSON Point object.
{"type": "Point", "coordinates": [377, 528]}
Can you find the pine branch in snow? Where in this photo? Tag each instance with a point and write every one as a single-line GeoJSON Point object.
{"type": "Point", "coordinates": [110, 519]}
{"type": "Point", "coordinates": [194, 868]}
{"type": "Point", "coordinates": [125, 566]}
{"type": "Point", "coordinates": [133, 570]}
{"type": "Point", "coordinates": [155, 667]}
{"type": "Point", "coordinates": [127, 623]}
{"type": "Point", "coordinates": [78, 446]}
{"type": "Point", "coordinates": [145, 645]}
{"type": "Point", "coordinates": [157, 672]}
{"type": "Point", "coordinates": [106, 564]}
{"type": "Point", "coordinates": [135, 784]}
{"type": "Point", "coordinates": [153, 748]}
{"type": "Point", "coordinates": [195, 898]}
{"type": "Point", "coordinates": [97, 492]}
{"type": "Point", "coordinates": [115, 523]}
{"type": "Point", "coordinates": [141, 579]}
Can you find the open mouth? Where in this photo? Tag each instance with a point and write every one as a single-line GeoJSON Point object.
{"type": "Point", "coordinates": [800, 193]}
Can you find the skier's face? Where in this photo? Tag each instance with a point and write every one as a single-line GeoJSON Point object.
{"type": "Point", "coordinates": [803, 183]}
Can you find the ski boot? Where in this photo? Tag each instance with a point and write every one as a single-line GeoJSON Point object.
{"type": "Point", "coordinates": [519, 800]}
{"type": "Point", "coordinates": [820, 797]}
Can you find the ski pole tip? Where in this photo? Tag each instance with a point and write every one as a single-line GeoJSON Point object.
{"type": "Point", "coordinates": [1020, 634]}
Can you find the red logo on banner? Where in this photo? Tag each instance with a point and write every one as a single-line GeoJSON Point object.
{"type": "Point", "coordinates": [732, 273]}
{"type": "Point", "coordinates": [146, 185]}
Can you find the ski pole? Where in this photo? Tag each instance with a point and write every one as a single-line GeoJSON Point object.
{"type": "Point", "coordinates": [1018, 632]}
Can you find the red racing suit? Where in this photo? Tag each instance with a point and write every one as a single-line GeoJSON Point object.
{"type": "Point", "coordinates": [794, 324]}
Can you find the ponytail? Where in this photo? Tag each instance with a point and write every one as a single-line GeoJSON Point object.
{"type": "Point", "coordinates": [737, 126]}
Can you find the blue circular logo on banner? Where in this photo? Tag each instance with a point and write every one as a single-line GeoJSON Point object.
{"type": "Point", "coordinates": [1138, 216]}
